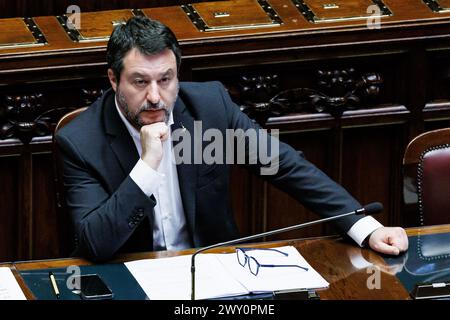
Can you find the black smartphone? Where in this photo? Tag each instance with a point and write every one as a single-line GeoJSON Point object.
{"type": "Point", "coordinates": [440, 290]}
{"type": "Point", "coordinates": [92, 287]}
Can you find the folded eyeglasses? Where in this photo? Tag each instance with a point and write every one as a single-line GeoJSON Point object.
{"type": "Point", "coordinates": [254, 265]}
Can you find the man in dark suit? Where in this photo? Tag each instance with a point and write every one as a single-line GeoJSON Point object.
{"type": "Point", "coordinates": [126, 189]}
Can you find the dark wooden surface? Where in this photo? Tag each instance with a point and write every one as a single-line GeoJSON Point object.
{"type": "Point", "coordinates": [361, 149]}
{"type": "Point", "coordinates": [329, 256]}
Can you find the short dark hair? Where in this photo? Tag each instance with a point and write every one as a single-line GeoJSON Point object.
{"type": "Point", "coordinates": [147, 35]}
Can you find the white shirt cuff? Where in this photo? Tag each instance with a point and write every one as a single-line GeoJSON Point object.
{"type": "Point", "coordinates": [363, 228]}
{"type": "Point", "coordinates": [147, 179]}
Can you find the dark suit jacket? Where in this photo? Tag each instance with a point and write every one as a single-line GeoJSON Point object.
{"type": "Point", "coordinates": [111, 214]}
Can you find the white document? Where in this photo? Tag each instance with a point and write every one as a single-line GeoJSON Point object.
{"type": "Point", "coordinates": [271, 279]}
{"type": "Point", "coordinates": [9, 288]}
{"type": "Point", "coordinates": [220, 275]}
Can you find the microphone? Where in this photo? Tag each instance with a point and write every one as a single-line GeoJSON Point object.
{"type": "Point", "coordinates": [371, 208]}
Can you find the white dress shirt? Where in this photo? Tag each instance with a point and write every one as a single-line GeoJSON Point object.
{"type": "Point", "coordinates": [169, 227]}
{"type": "Point", "coordinates": [169, 222]}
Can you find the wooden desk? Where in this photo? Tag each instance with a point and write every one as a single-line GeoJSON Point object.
{"type": "Point", "coordinates": [330, 256]}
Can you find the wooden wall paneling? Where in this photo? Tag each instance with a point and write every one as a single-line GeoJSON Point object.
{"type": "Point", "coordinates": [259, 193]}
{"type": "Point", "coordinates": [9, 207]}
{"type": "Point", "coordinates": [438, 86]}
{"type": "Point", "coordinates": [418, 77]}
{"type": "Point", "coordinates": [45, 227]}
{"type": "Point", "coordinates": [297, 69]}
{"type": "Point", "coordinates": [282, 210]}
{"type": "Point", "coordinates": [241, 202]}
{"type": "Point", "coordinates": [25, 205]}
{"type": "Point", "coordinates": [372, 166]}
{"type": "Point", "coordinates": [437, 124]}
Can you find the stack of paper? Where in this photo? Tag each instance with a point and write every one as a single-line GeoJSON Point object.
{"type": "Point", "coordinates": [220, 275]}
{"type": "Point", "coordinates": [9, 288]}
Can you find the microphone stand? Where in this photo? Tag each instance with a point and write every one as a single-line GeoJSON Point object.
{"type": "Point", "coordinates": [371, 208]}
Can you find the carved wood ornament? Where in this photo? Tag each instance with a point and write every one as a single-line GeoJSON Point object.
{"type": "Point", "coordinates": [340, 90]}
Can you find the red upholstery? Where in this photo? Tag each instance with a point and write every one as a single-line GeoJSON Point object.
{"type": "Point", "coordinates": [426, 179]}
{"type": "Point", "coordinates": [434, 186]}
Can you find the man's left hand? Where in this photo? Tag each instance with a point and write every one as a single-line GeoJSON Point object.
{"type": "Point", "coordinates": [389, 240]}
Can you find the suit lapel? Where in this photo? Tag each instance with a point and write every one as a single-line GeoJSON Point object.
{"type": "Point", "coordinates": [120, 139]}
{"type": "Point", "coordinates": [187, 173]}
